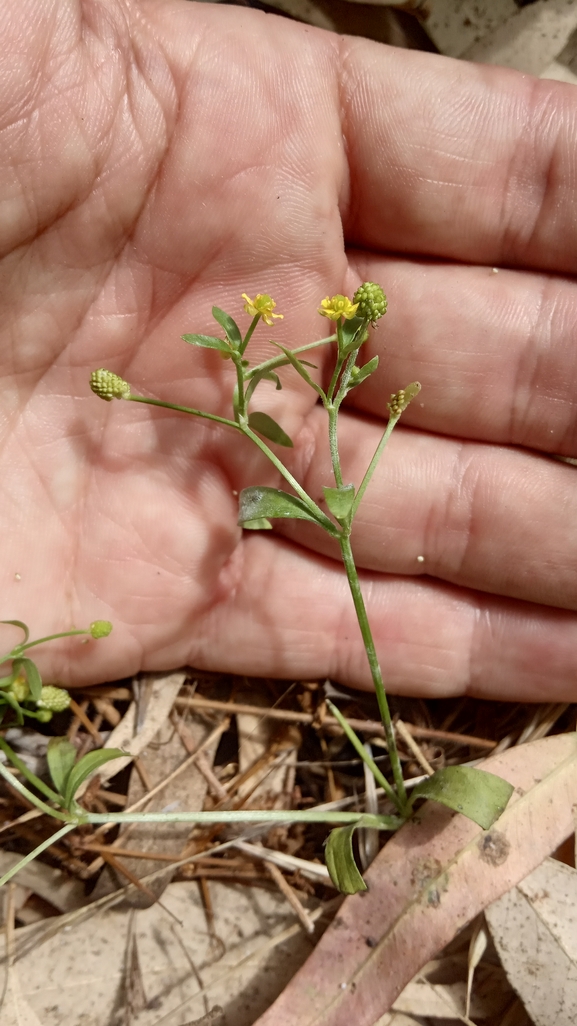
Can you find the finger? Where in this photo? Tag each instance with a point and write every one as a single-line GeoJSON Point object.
{"type": "Point", "coordinates": [458, 160]}
{"type": "Point", "coordinates": [292, 616]}
{"type": "Point", "coordinates": [480, 516]}
{"type": "Point", "coordinates": [496, 354]}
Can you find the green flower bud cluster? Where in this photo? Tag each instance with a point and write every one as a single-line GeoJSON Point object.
{"type": "Point", "coordinates": [53, 699]}
{"type": "Point", "coordinates": [100, 628]}
{"type": "Point", "coordinates": [401, 399]}
{"type": "Point", "coordinates": [108, 385]}
{"type": "Point", "coordinates": [371, 301]}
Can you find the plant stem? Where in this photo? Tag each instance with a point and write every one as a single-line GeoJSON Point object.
{"type": "Point", "coordinates": [318, 513]}
{"type": "Point", "coordinates": [360, 609]}
{"type": "Point", "coordinates": [282, 361]}
{"type": "Point", "coordinates": [30, 776]}
{"type": "Point", "coordinates": [15, 783]}
{"type": "Point", "coordinates": [248, 335]}
{"type": "Point", "coordinates": [37, 851]}
{"type": "Point", "coordinates": [373, 464]}
{"type": "Point", "coordinates": [362, 751]}
{"type": "Point", "coordinates": [333, 413]}
{"type": "Point", "coordinates": [245, 816]}
{"type": "Point", "coordinates": [179, 409]}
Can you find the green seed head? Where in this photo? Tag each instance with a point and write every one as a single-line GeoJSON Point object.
{"type": "Point", "coordinates": [108, 385]}
{"type": "Point", "coordinates": [401, 399]}
{"type": "Point", "coordinates": [372, 302]}
{"type": "Point", "coordinates": [100, 628]}
{"type": "Point", "coordinates": [54, 699]}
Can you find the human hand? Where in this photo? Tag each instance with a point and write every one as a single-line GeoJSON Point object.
{"type": "Point", "coordinates": [158, 157]}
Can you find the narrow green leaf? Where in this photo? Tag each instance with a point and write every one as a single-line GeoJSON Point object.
{"type": "Point", "coordinates": [479, 795]}
{"type": "Point", "coordinates": [260, 524]}
{"type": "Point", "coordinates": [363, 372]}
{"type": "Point", "coordinates": [262, 375]}
{"type": "Point", "coordinates": [300, 367]}
{"type": "Point", "coordinates": [84, 767]}
{"type": "Point", "coordinates": [260, 502]}
{"type": "Point", "coordinates": [230, 326]}
{"type": "Point", "coordinates": [341, 861]}
{"type": "Point", "coordinates": [19, 623]}
{"type": "Point", "coordinates": [32, 674]}
{"type": "Point", "coordinates": [340, 500]}
{"type": "Point", "coordinates": [208, 342]}
{"type": "Point", "coordinates": [269, 428]}
{"type": "Point", "coordinates": [60, 756]}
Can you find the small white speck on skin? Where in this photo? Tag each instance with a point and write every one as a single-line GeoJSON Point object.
{"type": "Point", "coordinates": [420, 559]}
{"type": "Point", "coordinates": [343, 986]}
{"type": "Point", "coordinates": [17, 577]}
{"type": "Point", "coordinates": [494, 270]}
{"type": "Point", "coordinates": [235, 493]}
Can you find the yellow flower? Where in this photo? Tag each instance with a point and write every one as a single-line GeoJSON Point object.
{"type": "Point", "coordinates": [261, 306]}
{"type": "Point", "coordinates": [337, 307]}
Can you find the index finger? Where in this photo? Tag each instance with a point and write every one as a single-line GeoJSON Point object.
{"type": "Point", "coordinates": [456, 160]}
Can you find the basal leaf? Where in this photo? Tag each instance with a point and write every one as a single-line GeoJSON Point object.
{"type": "Point", "coordinates": [207, 342]}
{"type": "Point", "coordinates": [61, 756]}
{"type": "Point", "coordinates": [32, 675]}
{"type": "Point", "coordinates": [230, 326]}
{"type": "Point", "coordinates": [84, 767]}
{"type": "Point", "coordinates": [479, 795]}
{"type": "Point", "coordinates": [260, 502]}
{"type": "Point", "coordinates": [340, 861]}
{"type": "Point", "coordinates": [269, 428]}
{"type": "Point", "coordinates": [340, 500]}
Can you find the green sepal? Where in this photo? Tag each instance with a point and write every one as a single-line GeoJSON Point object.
{"type": "Point", "coordinates": [352, 335]}
{"type": "Point", "coordinates": [479, 795]}
{"type": "Point", "coordinates": [266, 426]}
{"type": "Point", "coordinates": [260, 502]}
{"type": "Point", "coordinates": [32, 674]}
{"type": "Point", "coordinates": [208, 342]}
{"type": "Point", "coordinates": [19, 623]}
{"type": "Point", "coordinates": [84, 767]}
{"type": "Point", "coordinates": [363, 372]}
{"type": "Point", "coordinates": [60, 756]}
{"type": "Point", "coordinates": [340, 500]}
{"type": "Point", "coordinates": [260, 524]}
{"type": "Point", "coordinates": [340, 860]}
{"type": "Point", "coordinates": [230, 326]}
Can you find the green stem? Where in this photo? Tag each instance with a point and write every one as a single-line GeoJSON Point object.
{"type": "Point", "coordinates": [373, 464]}
{"type": "Point", "coordinates": [248, 335]}
{"type": "Point", "coordinates": [37, 851]}
{"type": "Point", "coordinates": [311, 505]}
{"type": "Point", "coordinates": [362, 751]}
{"type": "Point", "coordinates": [245, 816]}
{"type": "Point", "coordinates": [15, 783]}
{"type": "Point", "coordinates": [360, 609]}
{"type": "Point", "coordinates": [179, 409]}
{"type": "Point", "coordinates": [40, 641]}
{"type": "Point", "coordinates": [333, 413]}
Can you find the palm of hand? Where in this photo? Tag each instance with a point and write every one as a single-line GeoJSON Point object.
{"type": "Point", "coordinates": [162, 160]}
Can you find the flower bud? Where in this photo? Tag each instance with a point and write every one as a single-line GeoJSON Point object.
{"type": "Point", "coordinates": [100, 628]}
{"type": "Point", "coordinates": [371, 300]}
{"type": "Point", "coordinates": [53, 699]}
{"type": "Point", "coordinates": [108, 385]}
{"type": "Point", "coordinates": [401, 399]}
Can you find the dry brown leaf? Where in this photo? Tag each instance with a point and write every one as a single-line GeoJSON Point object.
{"type": "Point", "coordinates": [433, 877]}
{"type": "Point", "coordinates": [15, 1010]}
{"type": "Point", "coordinates": [534, 927]}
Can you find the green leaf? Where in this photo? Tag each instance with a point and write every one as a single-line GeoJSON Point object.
{"type": "Point", "coordinates": [341, 861]}
{"type": "Point", "coordinates": [84, 767]}
{"type": "Point", "coordinates": [363, 372]}
{"type": "Point", "coordinates": [353, 334]}
{"type": "Point", "coordinates": [32, 674]}
{"type": "Point", "coordinates": [260, 502]}
{"type": "Point", "coordinates": [479, 795]}
{"type": "Point", "coordinates": [269, 428]}
{"type": "Point", "coordinates": [300, 366]}
{"type": "Point", "coordinates": [340, 500]}
{"type": "Point", "coordinates": [19, 623]}
{"type": "Point", "coordinates": [230, 326]}
{"type": "Point", "coordinates": [61, 756]}
{"type": "Point", "coordinates": [261, 375]}
{"type": "Point", "coordinates": [208, 342]}
{"type": "Point", "coordinates": [260, 524]}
